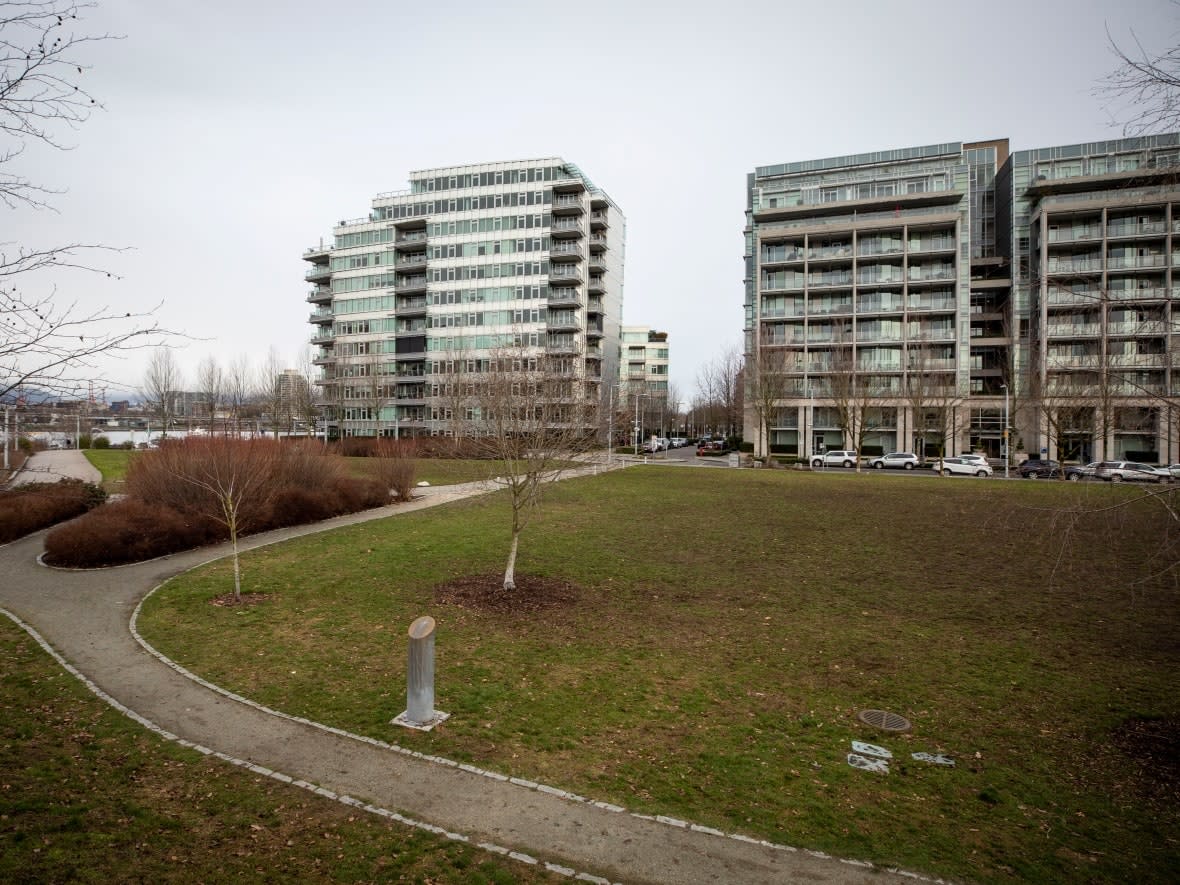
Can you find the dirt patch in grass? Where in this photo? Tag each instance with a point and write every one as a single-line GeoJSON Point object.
{"type": "Point", "coordinates": [486, 593]}
{"type": "Point", "coordinates": [1154, 745]}
{"type": "Point", "coordinates": [246, 599]}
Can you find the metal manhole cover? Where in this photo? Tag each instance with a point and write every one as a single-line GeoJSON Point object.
{"type": "Point", "coordinates": [884, 720]}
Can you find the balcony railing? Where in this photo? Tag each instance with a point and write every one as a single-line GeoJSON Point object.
{"type": "Point", "coordinates": [1073, 234]}
{"type": "Point", "coordinates": [1138, 360]}
{"type": "Point", "coordinates": [1073, 330]}
{"type": "Point", "coordinates": [1116, 262]}
{"type": "Point", "coordinates": [1133, 229]}
{"type": "Point", "coordinates": [842, 251]}
{"type": "Point", "coordinates": [1145, 328]}
{"type": "Point", "coordinates": [1078, 265]}
{"type": "Point", "coordinates": [818, 281]}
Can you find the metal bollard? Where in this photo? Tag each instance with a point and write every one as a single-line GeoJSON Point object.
{"type": "Point", "coordinates": [420, 713]}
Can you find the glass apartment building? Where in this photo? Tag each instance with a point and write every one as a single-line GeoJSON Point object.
{"type": "Point", "coordinates": [469, 262]}
{"type": "Point", "coordinates": [968, 290]}
{"type": "Point", "coordinates": [643, 364]}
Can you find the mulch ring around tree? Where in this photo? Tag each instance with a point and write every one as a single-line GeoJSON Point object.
{"type": "Point", "coordinates": [487, 593]}
{"type": "Point", "coordinates": [246, 599]}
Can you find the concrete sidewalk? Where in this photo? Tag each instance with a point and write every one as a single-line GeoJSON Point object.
{"type": "Point", "coordinates": [85, 617]}
{"type": "Point", "coordinates": [54, 466]}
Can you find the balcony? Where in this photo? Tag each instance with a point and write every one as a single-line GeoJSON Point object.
{"type": "Point", "coordinates": [318, 272]}
{"type": "Point", "coordinates": [321, 316]}
{"type": "Point", "coordinates": [822, 253]}
{"type": "Point", "coordinates": [412, 262]}
{"type": "Point", "coordinates": [1133, 262]}
{"type": "Point", "coordinates": [594, 330]}
{"type": "Point", "coordinates": [320, 295]}
{"type": "Point", "coordinates": [1075, 234]}
{"type": "Point", "coordinates": [1138, 360]}
{"type": "Point", "coordinates": [408, 284]}
{"type": "Point", "coordinates": [1148, 293]}
{"type": "Point", "coordinates": [594, 305]}
{"type": "Point", "coordinates": [932, 245]}
{"type": "Point", "coordinates": [322, 336]}
{"type": "Point", "coordinates": [412, 327]}
{"type": "Point", "coordinates": [596, 286]}
{"type": "Point", "coordinates": [562, 321]}
{"type": "Point", "coordinates": [413, 305]}
{"type": "Point", "coordinates": [566, 296]}
{"type": "Point", "coordinates": [408, 242]}
{"type": "Point", "coordinates": [565, 252]}
{"type": "Point", "coordinates": [938, 333]}
{"type": "Point", "coordinates": [598, 220]}
{"type": "Point", "coordinates": [828, 280]}
{"type": "Point", "coordinates": [940, 274]}
{"type": "Point", "coordinates": [1146, 328]}
{"type": "Point", "coordinates": [567, 205]}
{"type": "Point", "coordinates": [1137, 229]}
{"type": "Point", "coordinates": [320, 250]}
{"type": "Point", "coordinates": [790, 255]}
{"type": "Point", "coordinates": [597, 263]}
{"type": "Point", "coordinates": [1073, 330]}
{"type": "Point", "coordinates": [564, 275]}
{"type": "Point", "coordinates": [571, 185]}
{"type": "Point", "coordinates": [561, 345]}
{"type": "Point", "coordinates": [597, 242]}
{"type": "Point", "coordinates": [1078, 265]}
{"type": "Point", "coordinates": [565, 228]}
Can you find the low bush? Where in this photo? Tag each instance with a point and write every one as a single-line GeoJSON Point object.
{"type": "Point", "coordinates": [127, 531]}
{"type": "Point", "coordinates": [188, 487]}
{"type": "Point", "coordinates": [34, 507]}
{"type": "Point", "coordinates": [102, 442]}
{"type": "Point", "coordinates": [395, 467]}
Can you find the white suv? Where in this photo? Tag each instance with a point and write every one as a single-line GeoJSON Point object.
{"type": "Point", "coordinates": [836, 458]}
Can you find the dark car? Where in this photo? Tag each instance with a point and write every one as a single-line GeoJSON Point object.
{"type": "Point", "coordinates": [1039, 468]}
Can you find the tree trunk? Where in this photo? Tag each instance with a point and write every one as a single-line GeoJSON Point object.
{"type": "Point", "coordinates": [237, 571]}
{"type": "Point", "coordinates": [510, 569]}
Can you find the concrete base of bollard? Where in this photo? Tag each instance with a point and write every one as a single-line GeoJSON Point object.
{"type": "Point", "coordinates": [402, 720]}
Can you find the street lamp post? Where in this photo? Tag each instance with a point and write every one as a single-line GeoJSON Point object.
{"type": "Point", "coordinates": [1004, 438]}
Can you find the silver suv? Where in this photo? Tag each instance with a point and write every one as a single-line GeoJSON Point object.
{"type": "Point", "coordinates": [902, 460]}
{"type": "Point", "coordinates": [835, 458]}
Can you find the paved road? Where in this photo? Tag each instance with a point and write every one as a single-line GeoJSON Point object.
{"type": "Point", "coordinates": [54, 466]}
{"type": "Point", "coordinates": [85, 618]}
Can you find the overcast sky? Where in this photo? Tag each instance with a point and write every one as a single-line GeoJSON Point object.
{"type": "Point", "coordinates": [235, 134]}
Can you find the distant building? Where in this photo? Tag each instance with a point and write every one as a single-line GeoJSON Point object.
{"type": "Point", "coordinates": [643, 363]}
{"type": "Point", "coordinates": [471, 260]}
{"type": "Point", "coordinates": [966, 289]}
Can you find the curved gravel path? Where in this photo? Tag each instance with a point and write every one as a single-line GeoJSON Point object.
{"type": "Point", "coordinates": [84, 619]}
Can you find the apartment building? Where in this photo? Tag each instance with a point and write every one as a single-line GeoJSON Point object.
{"type": "Point", "coordinates": [932, 297]}
{"type": "Point", "coordinates": [643, 363]}
{"type": "Point", "coordinates": [469, 262]}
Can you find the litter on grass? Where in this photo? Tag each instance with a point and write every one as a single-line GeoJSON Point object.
{"type": "Point", "coordinates": [870, 750]}
{"type": "Point", "coordinates": [935, 759]}
{"type": "Point", "coordinates": [864, 763]}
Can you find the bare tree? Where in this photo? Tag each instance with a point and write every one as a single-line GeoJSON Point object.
{"type": "Point", "coordinates": [161, 384]}
{"type": "Point", "coordinates": [307, 399]}
{"type": "Point", "coordinates": [720, 382]}
{"type": "Point", "coordinates": [237, 391]}
{"type": "Point", "coordinates": [266, 391]}
{"type": "Point", "coordinates": [856, 392]}
{"type": "Point", "coordinates": [48, 345]}
{"type": "Point", "coordinates": [209, 384]}
{"type": "Point", "coordinates": [531, 417]}
{"type": "Point", "coordinates": [931, 396]}
{"type": "Point", "coordinates": [766, 386]}
{"type": "Point", "coordinates": [1145, 85]}
{"type": "Point", "coordinates": [452, 389]}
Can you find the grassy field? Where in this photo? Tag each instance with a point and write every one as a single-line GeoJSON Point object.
{"type": "Point", "coordinates": [112, 464]}
{"type": "Point", "coordinates": [727, 628]}
{"type": "Point", "coordinates": [86, 795]}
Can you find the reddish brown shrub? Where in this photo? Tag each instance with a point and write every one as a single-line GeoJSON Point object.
{"type": "Point", "coordinates": [295, 506]}
{"type": "Point", "coordinates": [33, 507]}
{"type": "Point", "coordinates": [394, 467]}
{"type": "Point", "coordinates": [127, 531]}
{"type": "Point", "coordinates": [360, 494]}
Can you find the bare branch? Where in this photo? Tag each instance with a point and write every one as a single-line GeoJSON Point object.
{"type": "Point", "coordinates": [1145, 85]}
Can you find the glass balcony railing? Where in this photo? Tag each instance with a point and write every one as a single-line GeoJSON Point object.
{"type": "Point", "coordinates": [1135, 229]}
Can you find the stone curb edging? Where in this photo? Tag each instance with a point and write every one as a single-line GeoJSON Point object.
{"type": "Point", "coordinates": [280, 776]}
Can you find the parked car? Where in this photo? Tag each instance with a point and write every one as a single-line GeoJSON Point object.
{"type": "Point", "coordinates": [900, 460]}
{"type": "Point", "coordinates": [835, 458]}
{"type": "Point", "coordinates": [965, 467]}
{"type": "Point", "coordinates": [1131, 471]}
{"type": "Point", "coordinates": [711, 447]}
{"type": "Point", "coordinates": [678, 442]}
{"type": "Point", "coordinates": [975, 459]}
{"type": "Point", "coordinates": [1039, 468]}
{"type": "Point", "coordinates": [1078, 472]}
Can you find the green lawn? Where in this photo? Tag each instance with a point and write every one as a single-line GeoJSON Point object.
{"type": "Point", "coordinates": [86, 795]}
{"type": "Point", "coordinates": [112, 464]}
{"type": "Point", "coordinates": [728, 628]}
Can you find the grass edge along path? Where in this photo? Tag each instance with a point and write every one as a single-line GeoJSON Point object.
{"type": "Point", "coordinates": [707, 718]}
{"type": "Point", "coordinates": [89, 795]}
